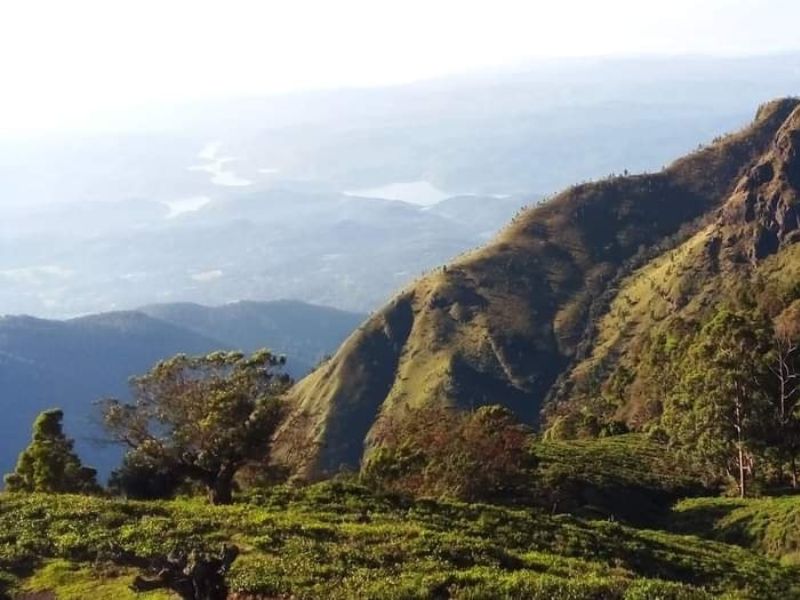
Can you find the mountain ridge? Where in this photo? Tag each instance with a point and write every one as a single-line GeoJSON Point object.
{"type": "Point", "coordinates": [745, 251]}
{"type": "Point", "coordinates": [502, 323]}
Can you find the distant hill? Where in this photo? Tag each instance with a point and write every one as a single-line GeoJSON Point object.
{"type": "Point", "coordinates": [321, 247]}
{"type": "Point", "coordinates": [254, 197]}
{"type": "Point", "coordinates": [304, 332]}
{"type": "Point", "coordinates": [70, 364]}
{"type": "Point", "coordinates": [508, 322]}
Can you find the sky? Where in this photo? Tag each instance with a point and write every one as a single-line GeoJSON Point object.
{"type": "Point", "coordinates": [64, 62]}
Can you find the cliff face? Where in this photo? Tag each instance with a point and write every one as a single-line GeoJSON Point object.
{"type": "Point", "coordinates": [503, 323]}
{"type": "Point", "coordinates": [762, 214]}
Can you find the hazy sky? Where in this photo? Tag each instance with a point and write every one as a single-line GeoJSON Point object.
{"type": "Point", "coordinates": [61, 61]}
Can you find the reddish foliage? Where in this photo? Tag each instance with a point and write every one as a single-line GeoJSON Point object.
{"type": "Point", "coordinates": [440, 451]}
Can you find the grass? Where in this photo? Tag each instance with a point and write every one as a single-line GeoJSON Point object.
{"type": "Point", "coordinates": [768, 525]}
{"type": "Point", "coordinates": [631, 460]}
{"type": "Point", "coordinates": [626, 477]}
{"type": "Point", "coordinates": [338, 540]}
{"type": "Point", "coordinates": [645, 297]}
{"type": "Point", "coordinates": [78, 582]}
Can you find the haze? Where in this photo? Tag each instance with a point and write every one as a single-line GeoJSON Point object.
{"type": "Point", "coordinates": [85, 64]}
{"type": "Point", "coordinates": [331, 152]}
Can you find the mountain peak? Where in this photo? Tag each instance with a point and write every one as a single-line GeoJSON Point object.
{"type": "Point", "coordinates": [779, 108]}
{"type": "Point", "coordinates": [763, 210]}
{"type": "Point", "coordinates": [787, 147]}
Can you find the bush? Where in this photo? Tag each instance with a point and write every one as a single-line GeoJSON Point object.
{"type": "Point", "coordinates": [631, 477]}
{"type": "Point", "coordinates": [663, 590]}
{"type": "Point", "coordinates": [6, 582]}
{"type": "Point", "coordinates": [439, 451]}
{"type": "Point", "coordinates": [142, 480]}
{"type": "Point", "coordinates": [320, 542]}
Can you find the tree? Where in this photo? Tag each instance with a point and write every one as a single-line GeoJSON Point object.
{"type": "Point", "coordinates": [49, 463]}
{"type": "Point", "coordinates": [196, 575]}
{"type": "Point", "coordinates": [142, 479]}
{"type": "Point", "coordinates": [202, 418]}
{"type": "Point", "coordinates": [440, 451]}
{"type": "Point", "coordinates": [785, 368]}
{"type": "Point", "coordinates": [719, 411]}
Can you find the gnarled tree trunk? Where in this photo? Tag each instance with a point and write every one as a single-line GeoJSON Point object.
{"type": "Point", "coordinates": [197, 575]}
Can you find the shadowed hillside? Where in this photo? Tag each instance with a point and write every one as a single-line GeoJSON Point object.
{"type": "Point", "coordinates": [502, 323]}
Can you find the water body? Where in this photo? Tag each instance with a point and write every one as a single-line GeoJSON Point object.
{"type": "Point", "coordinates": [422, 193]}
{"type": "Point", "coordinates": [217, 167]}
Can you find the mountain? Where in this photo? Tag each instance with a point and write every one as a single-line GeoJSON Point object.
{"type": "Point", "coordinates": [70, 364]}
{"type": "Point", "coordinates": [303, 332]}
{"type": "Point", "coordinates": [505, 323]}
{"type": "Point", "coordinates": [746, 253]}
{"type": "Point", "coordinates": [323, 247]}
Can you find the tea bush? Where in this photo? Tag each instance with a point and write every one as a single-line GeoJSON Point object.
{"type": "Point", "coordinates": [339, 540]}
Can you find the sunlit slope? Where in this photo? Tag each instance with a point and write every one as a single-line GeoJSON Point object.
{"type": "Point", "coordinates": [501, 324]}
{"type": "Point", "coordinates": [746, 251]}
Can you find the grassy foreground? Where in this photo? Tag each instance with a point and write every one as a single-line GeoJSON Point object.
{"type": "Point", "coordinates": [338, 540]}
{"type": "Point", "coordinates": [770, 526]}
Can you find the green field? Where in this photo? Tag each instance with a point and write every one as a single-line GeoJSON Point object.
{"type": "Point", "coordinates": [339, 540]}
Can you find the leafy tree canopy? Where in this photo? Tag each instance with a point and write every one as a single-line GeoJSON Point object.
{"type": "Point", "coordinates": [49, 463]}
{"type": "Point", "coordinates": [202, 418]}
{"type": "Point", "coordinates": [441, 451]}
{"type": "Point", "coordinates": [720, 408]}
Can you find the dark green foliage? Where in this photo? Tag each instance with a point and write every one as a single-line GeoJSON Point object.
{"type": "Point", "coordinates": [49, 463]}
{"type": "Point", "coordinates": [785, 370]}
{"type": "Point", "coordinates": [770, 526]}
{"type": "Point", "coordinates": [200, 418]}
{"type": "Point", "coordinates": [140, 479]}
{"type": "Point", "coordinates": [632, 478]}
{"type": "Point", "coordinates": [691, 377]}
{"type": "Point", "coordinates": [719, 411]}
{"type": "Point", "coordinates": [6, 582]}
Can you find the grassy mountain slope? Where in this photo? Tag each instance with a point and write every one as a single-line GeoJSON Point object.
{"type": "Point", "coordinates": [502, 323]}
{"type": "Point", "coordinates": [746, 248]}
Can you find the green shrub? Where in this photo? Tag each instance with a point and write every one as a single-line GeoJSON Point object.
{"type": "Point", "coordinates": [663, 590]}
